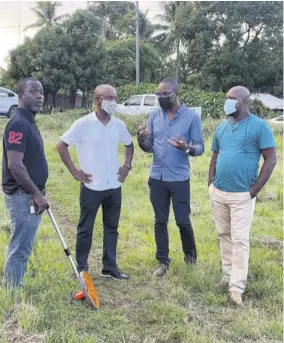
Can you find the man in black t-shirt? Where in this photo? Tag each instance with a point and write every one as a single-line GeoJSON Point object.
{"type": "Point", "coordinates": [24, 175]}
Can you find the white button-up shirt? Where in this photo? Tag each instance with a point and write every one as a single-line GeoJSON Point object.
{"type": "Point", "coordinates": [97, 149]}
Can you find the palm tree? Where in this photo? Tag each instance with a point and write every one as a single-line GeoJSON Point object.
{"type": "Point", "coordinates": [46, 14]}
{"type": "Point", "coordinates": [170, 38]}
{"type": "Point", "coordinates": [110, 12]}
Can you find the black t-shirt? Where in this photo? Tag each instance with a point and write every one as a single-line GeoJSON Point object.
{"type": "Point", "coordinates": [21, 134]}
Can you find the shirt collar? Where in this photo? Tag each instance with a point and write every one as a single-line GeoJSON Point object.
{"type": "Point", "coordinates": [181, 110]}
{"type": "Point", "coordinates": [95, 118]}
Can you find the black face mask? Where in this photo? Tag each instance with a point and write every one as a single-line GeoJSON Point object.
{"type": "Point", "coordinates": [166, 102]}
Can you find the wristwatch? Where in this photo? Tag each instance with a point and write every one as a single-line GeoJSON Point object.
{"type": "Point", "coordinates": [128, 166]}
{"type": "Point", "coordinates": [187, 151]}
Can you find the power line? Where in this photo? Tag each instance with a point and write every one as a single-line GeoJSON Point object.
{"type": "Point", "coordinates": [12, 27]}
{"type": "Point", "coordinates": [137, 44]}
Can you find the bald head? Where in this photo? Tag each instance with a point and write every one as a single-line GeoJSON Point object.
{"type": "Point", "coordinates": [105, 92]}
{"type": "Point", "coordinates": [239, 93]}
{"type": "Point", "coordinates": [242, 96]}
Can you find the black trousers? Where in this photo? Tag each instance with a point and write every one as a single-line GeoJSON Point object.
{"type": "Point", "coordinates": [161, 194]}
{"type": "Point", "coordinates": [90, 201]}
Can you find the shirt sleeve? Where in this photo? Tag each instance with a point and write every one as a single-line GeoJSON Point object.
{"type": "Point", "coordinates": [149, 142]}
{"type": "Point", "coordinates": [196, 136]}
{"type": "Point", "coordinates": [265, 137]}
{"type": "Point", "coordinates": [125, 136]}
{"type": "Point", "coordinates": [16, 136]}
{"type": "Point", "coordinates": [215, 143]}
{"type": "Point", "coordinates": [74, 134]}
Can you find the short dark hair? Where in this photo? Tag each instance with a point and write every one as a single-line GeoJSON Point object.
{"type": "Point", "coordinates": [173, 82]}
{"type": "Point", "coordinates": [23, 83]}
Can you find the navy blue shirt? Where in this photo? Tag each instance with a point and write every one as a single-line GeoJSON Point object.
{"type": "Point", "coordinates": [170, 163]}
{"type": "Point", "coordinates": [21, 134]}
{"type": "Point", "coordinates": [239, 149]}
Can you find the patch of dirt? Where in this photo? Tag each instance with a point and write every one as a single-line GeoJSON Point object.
{"type": "Point", "coordinates": [269, 242]}
{"type": "Point", "coordinates": [68, 229]}
{"type": "Point", "coordinates": [13, 333]}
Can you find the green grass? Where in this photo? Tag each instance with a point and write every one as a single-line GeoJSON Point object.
{"type": "Point", "coordinates": [187, 306]}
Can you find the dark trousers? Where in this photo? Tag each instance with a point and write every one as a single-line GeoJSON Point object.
{"type": "Point", "coordinates": [90, 202]}
{"type": "Point", "coordinates": [161, 194]}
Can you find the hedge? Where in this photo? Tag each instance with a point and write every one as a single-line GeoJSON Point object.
{"type": "Point", "coordinates": [212, 103]}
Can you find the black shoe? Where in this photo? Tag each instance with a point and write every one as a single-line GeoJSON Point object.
{"type": "Point", "coordinates": [114, 274]}
{"type": "Point", "coordinates": [162, 270]}
{"type": "Point", "coordinates": [190, 258]}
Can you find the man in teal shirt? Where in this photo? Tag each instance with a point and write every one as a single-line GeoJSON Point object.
{"type": "Point", "coordinates": [233, 183]}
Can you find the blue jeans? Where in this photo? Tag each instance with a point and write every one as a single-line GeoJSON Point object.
{"type": "Point", "coordinates": [23, 231]}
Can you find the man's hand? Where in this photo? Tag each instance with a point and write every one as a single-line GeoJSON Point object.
{"type": "Point", "coordinates": [142, 134]}
{"type": "Point", "coordinates": [81, 176]}
{"type": "Point", "coordinates": [254, 191]}
{"type": "Point", "coordinates": [41, 201]}
{"type": "Point", "coordinates": [210, 181]}
{"type": "Point", "coordinates": [122, 173]}
{"type": "Point", "coordinates": [179, 143]}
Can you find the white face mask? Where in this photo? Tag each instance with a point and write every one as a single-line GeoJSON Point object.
{"type": "Point", "coordinates": [230, 106]}
{"type": "Point", "coordinates": [109, 106]}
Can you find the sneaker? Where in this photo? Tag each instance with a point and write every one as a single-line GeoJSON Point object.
{"type": "Point", "coordinates": [114, 274]}
{"type": "Point", "coordinates": [190, 258]}
{"type": "Point", "coordinates": [162, 270]}
{"type": "Point", "coordinates": [236, 298]}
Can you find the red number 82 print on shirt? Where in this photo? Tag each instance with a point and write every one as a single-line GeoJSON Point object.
{"type": "Point", "coordinates": [15, 137]}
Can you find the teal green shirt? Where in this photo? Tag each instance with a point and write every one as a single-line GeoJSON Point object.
{"type": "Point", "coordinates": [239, 149]}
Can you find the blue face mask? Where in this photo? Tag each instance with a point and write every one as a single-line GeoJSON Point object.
{"type": "Point", "coordinates": [230, 107]}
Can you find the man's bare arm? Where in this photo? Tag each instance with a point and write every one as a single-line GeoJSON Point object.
{"type": "Point", "coordinates": [22, 177]}
{"type": "Point", "coordinates": [269, 156]}
{"type": "Point", "coordinates": [128, 153]}
{"type": "Point", "coordinates": [64, 154]}
{"type": "Point", "coordinates": [212, 168]}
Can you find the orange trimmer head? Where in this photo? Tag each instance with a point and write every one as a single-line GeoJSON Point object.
{"type": "Point", "coordinates": [88, 291]}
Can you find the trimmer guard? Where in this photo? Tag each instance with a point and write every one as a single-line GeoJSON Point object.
{"type": "Point", "coordinates": [89, 290]}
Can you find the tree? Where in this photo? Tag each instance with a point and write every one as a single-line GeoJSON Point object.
{"type": "Point", "coordinates": [64, 57]}
{"type": "Point", "coordinates": [171, 35]}
{"type": "Point", "coordinates": [229, 43]}
{"type": "Point", "coordinates": [120, 62]}
{"type": "Point", "coordinates": [7, 81]}
{"type": "Point", "coordinates": [46, 14]}
{"type": "Point", "coordinates": [109, 12]}
{"type": "Point", "coordinates": [86, 50]}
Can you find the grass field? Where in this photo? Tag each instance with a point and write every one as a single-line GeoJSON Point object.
{"type": "Point", "coordinates": [187, 306]}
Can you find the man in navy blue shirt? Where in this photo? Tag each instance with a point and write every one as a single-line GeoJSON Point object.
{"type": "Point", "coordinates": [173, 134]}
{"type": "Point", "coordinates": [24, 175]}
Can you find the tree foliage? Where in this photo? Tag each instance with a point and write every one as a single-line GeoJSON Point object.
{"type": "Point", "coordinates": [211, 46]}
{"type": "Point", "coordinates": [46, 14]}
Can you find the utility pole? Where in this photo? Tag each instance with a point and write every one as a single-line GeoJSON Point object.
{"type": "Point", "coordinates": [19, 26]}
{"type": "Point", "coordinates": [137, 44]}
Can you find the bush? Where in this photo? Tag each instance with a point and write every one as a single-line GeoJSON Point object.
{"type": "Point", "coordinates": [212, 103]}
{"type": "Point", "coordinates": [133, 122]}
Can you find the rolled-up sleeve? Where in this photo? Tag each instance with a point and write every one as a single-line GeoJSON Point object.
{"type": "Point", "coordinates": [196, 138]}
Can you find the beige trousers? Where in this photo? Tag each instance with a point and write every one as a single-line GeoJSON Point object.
{"type": "Point", "coordinates": [233, 214]}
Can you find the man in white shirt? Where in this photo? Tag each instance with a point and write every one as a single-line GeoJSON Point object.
{"type": "Point", "coordinates": [96, 137]}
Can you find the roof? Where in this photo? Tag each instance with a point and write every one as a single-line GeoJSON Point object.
{"type": "Point", "coordinates": [268, 100]}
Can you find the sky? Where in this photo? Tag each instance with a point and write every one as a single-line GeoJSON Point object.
{"type": "Point", "coordinates": [16, 15]}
